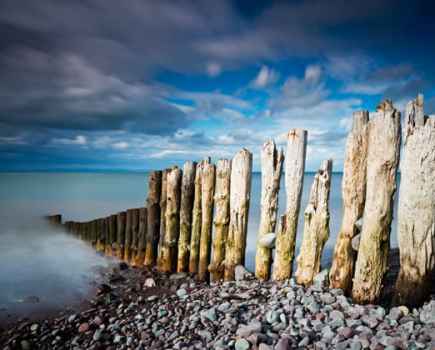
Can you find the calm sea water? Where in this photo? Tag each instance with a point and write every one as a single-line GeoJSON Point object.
{"type": "Point", "coordinates": [36, 261]}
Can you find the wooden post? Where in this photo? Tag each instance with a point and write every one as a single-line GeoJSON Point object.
{"type": "Point", "coordinates": [353, 190]}
{"type": "Point", "coordinates": [416, 216]}
{"type": "Point", "coordinates": [128, 235]}
{"type": "Point", "coordinates": [240, 193]}
{"type": "Point", "coordinates": [163, 195]}
{"type": "Point", "coordinates": [111, 238]}
{"type": "Point", "coordinates": [382, 161]}
{"type": "Point", "coordinates": [120, 234]}
{"type": "Point", "coordinates": [294, 179]}
{"type": "Point", "coordinates": [207, 193]}
{"type": "Point", "coordinates": [153, 219]}
{"type": "Point", "coordinates": [134, 235]}
{"type": "Point", "coordinates": [94, 233]}
{"type": "Point", "coordinates": [170, 241]}
{"type": "Point", "coordinates": [101, 235]}
{"type": "Point", "coordinates": [196, 219]}
{"type": "Point", "coordinates": [271, 166]}
{"type": "Point", "coordinates": [316, 226]}
{"type": "Point", "coordinates": [139, 256]}
{"type": "Point", "coordinates": [186, 206]}
{"type": "Point", "coordinates": [221, 219]}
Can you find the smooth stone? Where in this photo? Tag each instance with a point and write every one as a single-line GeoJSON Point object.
{"type": "Point", "coordinates": [242, 344]}
{"type": "Point", "coordinates": [97, 335]}
{"type": "Point", "coordinates": [149, 283]}
{"type": "Point", "coordinates": [241, 273]}
{"type": "Point", "coordinates": [321, 280]}
{"type": "Point", "coordinates": [272, 316]}
{"type": "Point", "coordinates": [267, 240]}
{"type": "Point", "coordinates": [181, 293]}
{"type": "Point", "coordinates": [283, 344]}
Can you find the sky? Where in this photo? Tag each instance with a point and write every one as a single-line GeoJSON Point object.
{"type": "Point", "coordinates": [139, 85]}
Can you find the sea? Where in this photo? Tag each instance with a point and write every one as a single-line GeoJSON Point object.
{"type": "Point", "coordinates": [43, 268]}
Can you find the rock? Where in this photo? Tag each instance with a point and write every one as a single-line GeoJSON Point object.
{"type": "Point", "coordinates": [210, 314]}
{"type": "Point", "coordinates": [321, 280]}
{"type": "Point", "coordinates": [72, 318]}
{"type": "Point", "coordinates": [246, 330]}
{"type": "Point", "coordinates": [283, 344]}
{"type": "Point", "coordinates": [178, 276]}
{"type": "Point", "coordinates": [182, 293]}
{"type": "Point", "coordinates": [355, 345]}
{"type": "Point", "coordinates": [272, 316]}
{"type": "Point", "coordinates": [97, 335]}
{"type": "Point", "coordinates": [335, 314]}
{"type": "Point", "coordinates": [25, 345]}
{"type": "Point", "coordinates": [149, 283]}
{"type": "Point", "coordinates": [34, 327]}
{"type": "Point", "coordinates": [123, 266]}
{"type": "Point", "coordinates": [264, 346]}
{"type": "Point", "coordinates": [355, 242]}
{"type": "Point", "coordinates": [395, 313]}
{"type": "Point", "coordinates": [304, 342]}
{"type": "Point", "coordinates": [117, 339]}
{"type": "Point", "coordinates": [427, 313]}
{"type": "Point", "coordinates": [242, 344]}
{"type": "Point", "coordinates": [84, 327]}
{"type": "Point", "coordinates": [267, 240]}
{"type": "Point", "coordinates": [346, 332]}
{"type": "Point", "coordinates": [370, 321]}
{"type": "Point", "coordinates": [241, 274]}
{"type": "Point", "coordinates": [224, 307]}
{"type": "Point", "coordinates": [327, 298]}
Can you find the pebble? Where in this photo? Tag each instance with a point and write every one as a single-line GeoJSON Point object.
{"type": "Point", "coordinates": [242, 344]}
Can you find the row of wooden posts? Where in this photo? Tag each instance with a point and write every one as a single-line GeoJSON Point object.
{"type": "Point", "coordinates": [174, 231]}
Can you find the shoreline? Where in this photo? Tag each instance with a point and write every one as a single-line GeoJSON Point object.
{"type": "Point", "coordinates": [138, 307]}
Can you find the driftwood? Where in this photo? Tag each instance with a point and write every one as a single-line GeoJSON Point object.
{"type": "Point", "coordinates": [416, 217]}
{"type": "Point", "coordinates": [382, 161]}
{"type": "Point", "coordinates": [170, 240]}
{"type": "Point", "coordinates": [221, 218]}
{"type": "Point", "coordinates": [207, 193]}
{"type": "Point", "coordinates": [316, 226]}
{"type": "Point", "coordinates": [240, 193]}
{"type": "Point", "coordinates": [186, 206]}
{"type": "Point", "coordinates": [271, 167]}
{"type": "Point", "coordinates": [196, 219]}
{"type": "Point", "coordinates": [120, 234]}
{"type": "Point", "coordinates": [294, 178]}
{"type": "Point", "coordinates": [354, 195]}
{"type": "Point", "coordinates": [153, 219]}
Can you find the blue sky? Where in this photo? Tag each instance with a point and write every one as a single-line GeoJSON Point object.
{"type": "Point", "coordinates": [137, 85]}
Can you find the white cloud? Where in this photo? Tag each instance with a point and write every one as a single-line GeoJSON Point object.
{"type": "Point", "coordinates": [214, 69]}
{"type": "Point", "coordinates": [79, 140]}
{"type": "Point", "coordinates": [265, 77]}
{"type": "Point", "coordinates": [120, 145]}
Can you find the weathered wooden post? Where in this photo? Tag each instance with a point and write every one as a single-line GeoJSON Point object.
{"type": "Point", "coordinates": [134, 235]}
{"type": "Point", "coordinates": [128, 235]}
{"type": "Point", "coordinates": [186, 206]}
{"type": "Point", "coordinates": [170, 240]}
{"type": "Point", "coordinates": [163, 195]}
{"type": "Point", "coordinates": [94, 233]}
{"type": "Point", "coordinates": [353, 191]}
{"type": "Point", "coordinates": [316, 226]}
{"type": "Point", "coordinates": [111, 238]}
{"type": "Point", "coordinates": [416, 217]}
{"type": "Point", "coordinates": [207, 193]}
{"type": "Point", "coordinates": [101, 235]}
{"type": "Point", "coordinates": [195, 236]}
{"type": "Point", "coordinates": [153, 219]}
{"type": "Point", "coordinates": [120, 234]}
{"type": "Point", "coordinates": [221, 219]}
{"type": "Point", "coordinates": [294, 179]}
{"type": "Point", "coordinates": [271, 167]}
{"type": "Point", "coordinates": [139, 256]}
{"type": "Point", "coordinates": [240, 193]}
{"type": "Point", "coordinates": [382, 161]}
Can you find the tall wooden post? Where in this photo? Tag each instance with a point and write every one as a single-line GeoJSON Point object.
{"type": "Point", "coordinates": [139, 256]}
{"type": "Point", "coordinates": [416, 217]}
{"type": "Point", "coordinates": [128, 234]}
{"type": "Point", "coordinates": [294, 179]}
{"type": "Point", "coordinates": [196, 219]}
{"type": "Point", "coordinates": [134, 235]}
{"type": "Point", "coordinates": [94, 233]}
{"type": "Point", "coordinates": [101, 235]}
{"type": "Point", "coordinates": [240, 193]}
{"type": "Point", "coordinates": [207, 189]}
{"type": "Point", "coordinates": [271, 166]}
{"type": "Point", "coordinates": [221, 219]}
{"type": "Point", "coordinates": [186, 206]}
{"type": "Point", "coordinates": [163, 195]}
{"type": "Point", "coordinates": [120, 234]}
{"type": "Point", "coordinates": [170, 241]}
{"type": "Point", "coordinates": [111, 238]}
{"type": "Point", "coordinates": [353, 190]}
{"type": "Point", "coordinates": [382, 161]}
{"type": "Point", "coordinates": [316, 226]}
{"type": "Point", "coordinates": [153, 219]}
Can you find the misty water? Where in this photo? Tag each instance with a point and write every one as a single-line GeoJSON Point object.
{"type": "Point", "coordinates": [39, 261]}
